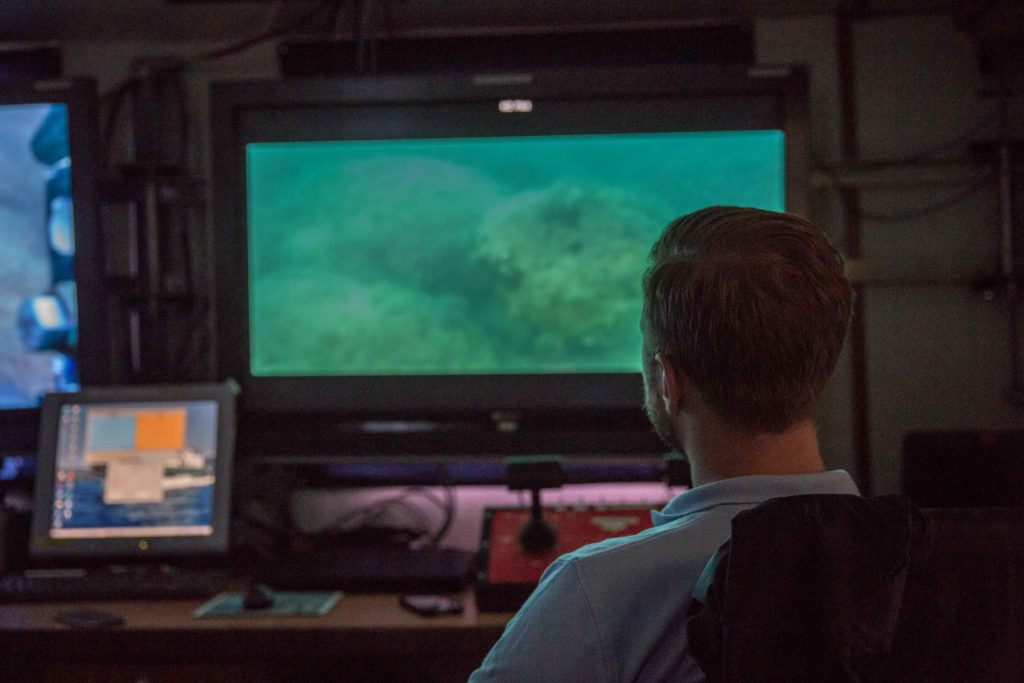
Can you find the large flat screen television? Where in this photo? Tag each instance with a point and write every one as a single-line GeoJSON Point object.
{"type": "Point", "coordinates": [52, 336]}
{"type": "Point", "coordinates": [461, 254]}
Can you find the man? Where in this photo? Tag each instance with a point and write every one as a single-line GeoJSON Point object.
{"type": "Point", "coordinates": [744, 316]}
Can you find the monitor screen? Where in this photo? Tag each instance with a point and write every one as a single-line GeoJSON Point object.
{"type": "Point", "coordinates": [51, 335]}
{"type": "Point", "coordinates": [513, 255]}
{"type": "Point", "coordinates": [409, 253]}
{"type": "Point", "coordinates": [134, 471]}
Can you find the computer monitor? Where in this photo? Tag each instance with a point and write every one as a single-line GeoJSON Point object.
{"type": "Point", "coordinates": [455, 260]}
{"type": "Point", "coordinates": [133, 473]}
{"type": "Point", "coordinates": [52, 332]}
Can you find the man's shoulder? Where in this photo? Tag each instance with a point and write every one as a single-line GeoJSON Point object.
{"type": "Point", "coordinates": [664, 543]}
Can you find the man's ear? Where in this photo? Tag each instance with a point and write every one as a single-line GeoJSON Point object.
{"type": "Point", "coordinates": [671, 385]}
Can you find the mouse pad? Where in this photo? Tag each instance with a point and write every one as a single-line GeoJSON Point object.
{"type": "Point", "coordinates": [285, 604]}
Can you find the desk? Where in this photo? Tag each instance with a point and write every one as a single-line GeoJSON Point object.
{"type": "Point", "coordinates": [365, 637]}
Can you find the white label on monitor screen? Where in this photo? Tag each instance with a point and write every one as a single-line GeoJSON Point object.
{"type": "Point", "coordinates": [515, 106]}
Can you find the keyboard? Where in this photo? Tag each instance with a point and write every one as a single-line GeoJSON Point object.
{"type": "Point", "coordinates": [75, 585]}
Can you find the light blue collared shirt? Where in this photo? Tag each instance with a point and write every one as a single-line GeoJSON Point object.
{"type": "Point", "coordinates": [615, 610]}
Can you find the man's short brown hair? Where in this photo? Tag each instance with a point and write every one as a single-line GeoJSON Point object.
{"type": "Point", "coordinates": [753, 306]}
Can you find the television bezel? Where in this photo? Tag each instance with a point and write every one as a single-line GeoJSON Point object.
{"type": "Point", "coordinates": [19, 427]}
{"type": "Point", "coordinates": [418, 403]}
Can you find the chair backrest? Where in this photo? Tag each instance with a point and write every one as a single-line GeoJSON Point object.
{"type": "Point", "coordinates": [861, 589]}
{"type": "Point", "coordinates": [981, 550]}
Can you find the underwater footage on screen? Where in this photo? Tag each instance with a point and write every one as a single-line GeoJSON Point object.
{"type": "Point", "coordinates": [475, 255]}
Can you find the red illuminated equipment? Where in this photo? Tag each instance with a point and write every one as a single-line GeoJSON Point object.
{"type": "Point", "coordinates": [508, 574]}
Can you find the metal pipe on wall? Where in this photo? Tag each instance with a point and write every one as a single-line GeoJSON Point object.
{"type": "Point", "coordinates": [862, 464]}
{"type": "Point", "coordinates": [1009, 261]}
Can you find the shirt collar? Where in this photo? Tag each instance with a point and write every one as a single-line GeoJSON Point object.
{"type": "Point", "coordinates": [752, 490]}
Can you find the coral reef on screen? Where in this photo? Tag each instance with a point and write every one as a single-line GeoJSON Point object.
{"type": "Point", "coordinates": [473, 256]}
{"type": "Point", "coordinates": [567, 261]}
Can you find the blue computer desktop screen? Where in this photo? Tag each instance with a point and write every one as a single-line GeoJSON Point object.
{"type": "Point", "coordinates": [145, 469]}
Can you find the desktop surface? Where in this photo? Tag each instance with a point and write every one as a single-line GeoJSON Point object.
{"type": "Point", "coordinates": [162, 640]}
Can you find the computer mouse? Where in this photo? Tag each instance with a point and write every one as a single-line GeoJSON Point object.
{"type": "Point", "coordinates": [258, 596]}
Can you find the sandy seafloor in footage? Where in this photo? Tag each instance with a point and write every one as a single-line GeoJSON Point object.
{"type": "Point", "coordinates": [472, 256]}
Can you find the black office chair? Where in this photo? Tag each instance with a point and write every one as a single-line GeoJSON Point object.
{"type": "Point", "coordinates": [843, 588]}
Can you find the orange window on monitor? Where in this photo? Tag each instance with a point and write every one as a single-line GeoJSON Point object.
{"type": "Point", "coordinates": [160, 430]}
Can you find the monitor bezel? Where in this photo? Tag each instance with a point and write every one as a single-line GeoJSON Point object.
{"type": "Point", "coordinates": [351, 400]}
{"type": "Point", "coordinates": [43, 549]}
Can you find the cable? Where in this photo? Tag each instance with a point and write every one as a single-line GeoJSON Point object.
{"type": "Point", "coordinates": [330, 6]}
{"type": "Point", "coordinates": [965, 138]}
{"type": "Point", "coordinates": [990, 118]}
{"type": "Point", "coordinates": [169, 74]}
{"type": "Point", "coordinates": [194, 347]}
{"type": "Point", "coordinates": [920, 212]}
{"type": "Point", "coordinates": [116, 97]}
{"type": "Point", "coordinates": [449, 516]}
{"type": "Point", "coordinates": [365, 517]}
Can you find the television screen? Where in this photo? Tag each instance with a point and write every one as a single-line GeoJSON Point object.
{"type": "Point", "coordinates": [51, 335]}
{"type": "Point", "coordinates": [474, 255]}
{"type": "Point", "coordinates": [419, 253]}
{"type": "Point", "coordinates": [38, 301]}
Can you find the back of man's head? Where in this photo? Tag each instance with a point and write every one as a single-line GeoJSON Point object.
{"type": "Point", "coordinates": [753, 307]}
